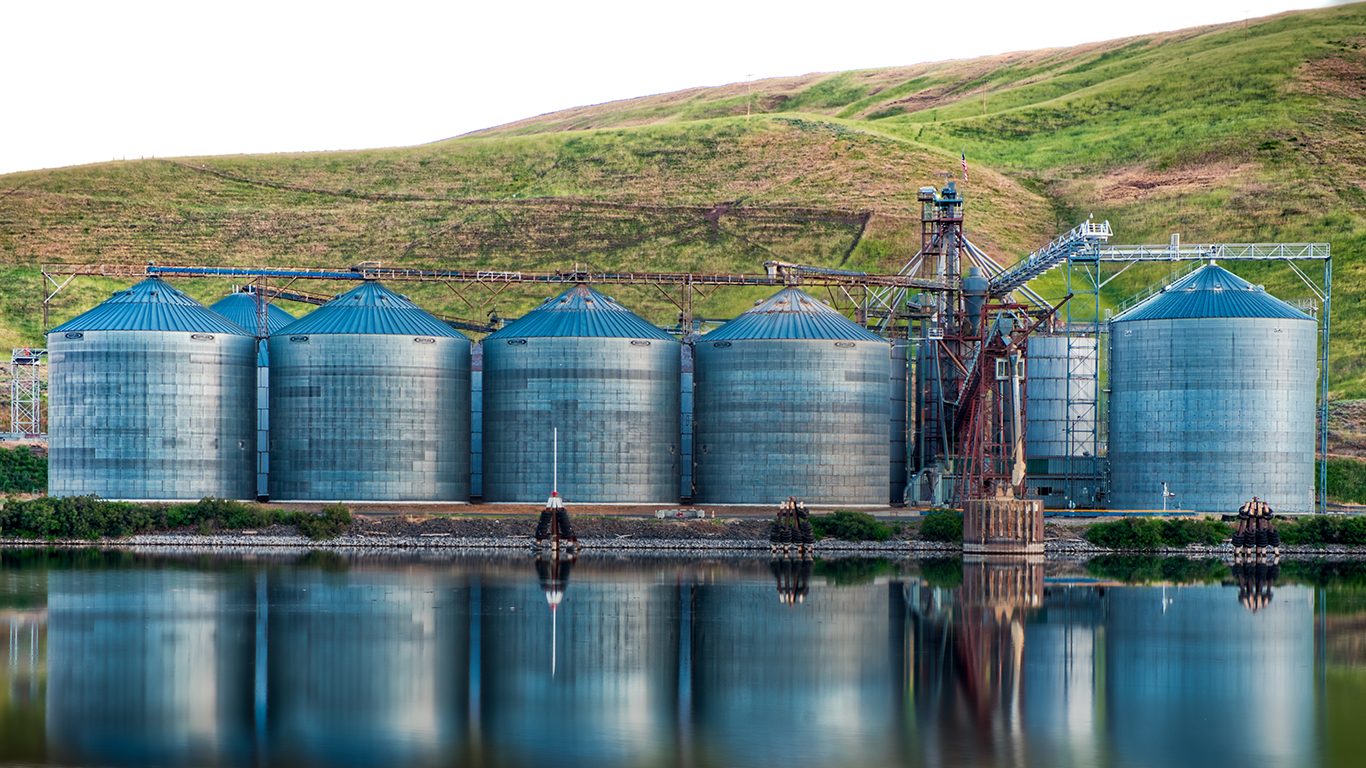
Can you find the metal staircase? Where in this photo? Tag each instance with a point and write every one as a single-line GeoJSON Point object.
{"type": "Point", "coordinates": [1083, 237]}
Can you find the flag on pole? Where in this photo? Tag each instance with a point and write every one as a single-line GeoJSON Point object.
{"type": "Point", "coordinates": [965, 166]}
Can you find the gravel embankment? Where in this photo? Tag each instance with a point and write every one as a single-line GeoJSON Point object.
{"type": "Point", "coordinates": [748, 535]}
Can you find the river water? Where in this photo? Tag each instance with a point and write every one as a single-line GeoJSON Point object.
{"type": "Point", "coordinates": [116, 658]}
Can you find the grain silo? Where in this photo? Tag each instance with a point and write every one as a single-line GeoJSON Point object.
{"type": "Point", "coordinates": [243, 309]}
{"type": "Point", "coordinates": [792, 400]}
{"type": "Point", "coordinates": [152, 396]}
{"type": "Point", "coordinates": [1212, 393]}
{"type": "Point", "coordinates": [897, 414]}
{"type": "Point", "coordinates": [606, 379]}
{"type": "Point", "coordinates": [1061, 438]}
{"type": "Point", "coordinates": [369, 400]}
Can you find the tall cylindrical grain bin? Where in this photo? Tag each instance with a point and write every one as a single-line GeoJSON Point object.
{"type": "Point", "coordinates": [897, 413]}
{"type": "Point", "coordinates": [606, 379]}
{"type": "Point", "coordinates": [243, 309]}
{"type": "Point", "coordinates": [369, 401]}
{"type": "Point", "coordinates": [1061, 436]}
{"type": "Point", "coordinates": [152, 396]}
{"type": "Point", "coordinates": [1212, 392]}
{"type": "Point", "coordinates": [792, 400]}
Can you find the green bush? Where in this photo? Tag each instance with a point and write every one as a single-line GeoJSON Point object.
{"type": "Point", "coordinates": [1322, 530]}
{"type": "Point", "coordinates": [1128, 533]}
{"type": "Point", "coordinates": [850, 526]}
{"type": "Point", "coordinates": [1178, 532]}
{"type": "Point", "coordinates": [89, 517]}
{"type": "Point", "coordinates": [942, 525]}
{"type": "Point", "coordinates": [21, 471]}
{"type": "Point", "coordinates": [329, 524]}
{"type": "Point", "coordinates": [1353, 532]}
{"type": "Point", "coordinates": [1147, 533]}
{"type": "Point", "coordinates": [77, 517]}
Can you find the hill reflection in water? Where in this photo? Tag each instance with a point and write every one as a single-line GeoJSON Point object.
{"type": "Point", "coordinates": [439, 659]}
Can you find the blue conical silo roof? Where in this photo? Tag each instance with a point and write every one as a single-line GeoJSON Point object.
{"type": "Point", "coordinates": [370, 308]}
{"type": "Point", "coordinates": [792, 314]}
{"type": "Point", "coordinates": [241, 309]}
{"type": "Point", "coordinates": [152, 305]}
{"type": "Point", "coordinates": [1211, 291]}
{"type": "Point", "coordinates": [584, 313]}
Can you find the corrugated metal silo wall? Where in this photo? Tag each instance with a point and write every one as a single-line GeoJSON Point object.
{"type": "Point", "coordinates": [781, 417]}
{"type": "Point", "coordinates": [1057, 403]}
{"type": "Point", "coordinates": [685, 424]}
{"type": "Point", "coordinates": [477, 421]}
{"type": "Point", "coordinates": [369, 417]}
{"type": "Point", "coordinates": [262, 418]}
{"type": "Point", "coordinates": [152, 415]}
{"type": "Point", "coordinates": [615, 403]}
{"type": "Point", "coordinates": [897, 413]}
{"type": "Point", "coordinates": [1219, 409]}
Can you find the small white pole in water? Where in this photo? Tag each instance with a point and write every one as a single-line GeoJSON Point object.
{"type": "Point", "coordinates": [555, 463]}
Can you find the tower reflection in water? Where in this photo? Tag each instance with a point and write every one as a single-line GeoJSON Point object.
{"type": "Point", "coordinates": [408, 661]}
{"type": "Point", "coordinates": [965, 661]}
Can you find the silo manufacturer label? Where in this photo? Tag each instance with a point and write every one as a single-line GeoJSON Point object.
{"type": "Point", "coordinates": [202, 336]}
{"type": "Point", "coordinates": [75, 335]}
{"type": "Point", "coordinates": [721, 344]}
{"type": "Point", "coordinates": [298, 339]}
{"type": "Point", "coordinates": [517, 342]}
{"type": "Point", "coordinates": [845, 344]}
{"type": "Point", "coordinates": [639, 343]}
{"type": "Point", "coordinates": [423, 340]}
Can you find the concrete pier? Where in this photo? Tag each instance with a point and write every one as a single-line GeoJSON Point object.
{"type": "Point", "coordinates": [1003, 525]}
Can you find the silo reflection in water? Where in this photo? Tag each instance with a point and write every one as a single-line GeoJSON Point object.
{"type": "Point", "coordinates": [597, 684]}
{"type": "Point", "coordinates": [705, 662]}
{"type": "Point", "coordinates": [149, 668]}
{"type": "Point", "coordinates": [1194, 678]}
{"type": "Point", "coordinates": [366, 668]}
{"type": "Point", "coordinates": [806, 684]}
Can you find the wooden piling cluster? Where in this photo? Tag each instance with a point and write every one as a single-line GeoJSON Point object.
{"type": "Point", "coordinates": [553, 530]}
{"type": "Point", "coordinates": [1256, 538]}
{"type": "Point", "coordinates": [791, 535]}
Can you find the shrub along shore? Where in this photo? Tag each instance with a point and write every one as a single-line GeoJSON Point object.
{"type": "Point", "coordinates": [219, 522]}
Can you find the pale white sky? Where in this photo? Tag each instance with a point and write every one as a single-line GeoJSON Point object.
{"type": "Point", "coordinates": [88, 81]}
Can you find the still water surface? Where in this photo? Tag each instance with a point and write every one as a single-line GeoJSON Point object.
{"type": "Point", "coordinates": [133, 659]}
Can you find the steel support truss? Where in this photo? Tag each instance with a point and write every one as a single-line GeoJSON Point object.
{"type": "Point", "coordinates": [25, 391]}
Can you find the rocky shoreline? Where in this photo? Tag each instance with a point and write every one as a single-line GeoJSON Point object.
{"type": "Point", "coordinates": [741, 537]}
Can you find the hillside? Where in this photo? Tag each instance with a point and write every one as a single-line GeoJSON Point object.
{"type": "Point", "coordinates": [1224, 133]}
{"type": "Point", "coordinates": [1241, 132]}
{"type": "Point", "coordinates": [723, 196]}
